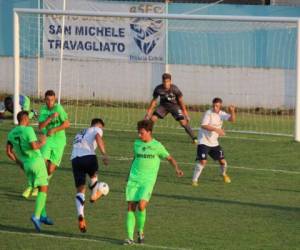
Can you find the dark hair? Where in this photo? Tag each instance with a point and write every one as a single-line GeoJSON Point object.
{"type": "Point", "coordinates": [49, 93]}
{"type": "Point", "coordinates": [145, 124]}
{"type": "Point", "coordinates": [217, 100]}
{"type": "Point", "coordinates": [166, 76]}
{"type": "Point", "coordinates": [96, 121]}
{"type": "Point", "coordinates": [9, 103]}
{"type": "Point", "coordinates": [21, 115]}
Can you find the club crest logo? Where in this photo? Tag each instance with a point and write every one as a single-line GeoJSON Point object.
{"type": "Point", "coordinates": [147, 33]}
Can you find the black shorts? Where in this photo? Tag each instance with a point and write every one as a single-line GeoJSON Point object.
{"type": "Point", "coordinates": [81, 166]}
{"type": "Point", "coordinates": [174, 109]}
{"type": "Point", "coordinates": [215, 153]}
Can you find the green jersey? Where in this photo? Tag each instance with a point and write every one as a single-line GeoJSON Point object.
{"type": "Point", "coordinates": [20, 138]}
{"type": "Point", "coordinates": [60, 136]}
{"type": "Point", "coordinates": [145, 166]}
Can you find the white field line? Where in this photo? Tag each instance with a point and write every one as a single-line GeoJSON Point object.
{"type": "Point", "coordinates": [43, 235]}
{"type": "Point", "coordinates": [230, 166]}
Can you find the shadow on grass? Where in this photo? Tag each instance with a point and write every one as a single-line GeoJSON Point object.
{"type": "Point", "coordinates": [230, 202]}
{"type": "Point", "coordinates": [17, 197]}
{"type": "Point", "coordinates": [52, 234]}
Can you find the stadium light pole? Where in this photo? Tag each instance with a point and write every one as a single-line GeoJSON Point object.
{"type": "Point", "coordinates": [297, 105]}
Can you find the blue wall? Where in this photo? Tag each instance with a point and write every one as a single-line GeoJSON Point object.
{"type": "Point", "coordinates": [6, 22]}
{"type": "Point", "coordinates": [253, 48]}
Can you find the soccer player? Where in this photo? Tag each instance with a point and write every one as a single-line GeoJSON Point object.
{"type": "Point", "coordinates": [24, 148]}
{"type": "Point", "coordinates": [171, 101]}
{"type": "Point", "coordinates": [142, 178]}
{"type": "Point", "coordinates": [84, 161]}
{"type": "Point", "coordinates": [211, 129]}
{"type": "Point", "coordinates": [53, 121]}
{"type": "Point", "coordinates": [24, 102]}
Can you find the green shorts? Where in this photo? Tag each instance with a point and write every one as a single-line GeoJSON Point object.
{"type": "Point", "coordinates": [53, 152]}
{"type": "Point", "coordinates": [36, 172]}
{"type": "Point", "coordinates": [136, 191]}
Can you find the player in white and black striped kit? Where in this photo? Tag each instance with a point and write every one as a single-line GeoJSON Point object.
{"type": "Point", "coordinates": [84, 161]}
{"type": "Point", "coordinates": [211, 129]}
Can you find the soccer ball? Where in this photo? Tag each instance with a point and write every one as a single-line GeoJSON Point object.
{"type": "Point", "coordinates": [103, 188]}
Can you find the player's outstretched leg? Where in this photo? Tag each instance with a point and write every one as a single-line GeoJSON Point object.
{"type": "Point", "coordinates": [80, 200]}
{"type": "Point", "coordinates": [39, 206]}
{"type": "Point", "coordinates": [189, 131]}
{"type": "Point", "coordinates": [141, 219]}
{"type": "Point", "coordinates": [130, 223]}
{"type": "Point", "coordinates": [223, 168]}
{"type": "Point", "coordinates": [96, 194]}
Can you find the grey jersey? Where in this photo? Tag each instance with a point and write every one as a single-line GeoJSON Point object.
{"type": "Point", "coordinates": [169, 96]}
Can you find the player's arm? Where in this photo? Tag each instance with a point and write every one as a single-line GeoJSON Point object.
{"type": "Point", "coordinates": [101, 147]}
{"type": "Point", "coordinates": [172, 161]}
{"type": "Point", "coordinates": [45, 123]}
{"type": "Point", "coordinates": [183, 107]}
{"type": "Point", "coordinates": [64, 125]}
{"type": "Point", "coordinates": [150, 108]}
{"type": "Point", "coordinates": [38, 144]}
{"type": "Point", "coordinates": [231, 111]}
{"type": "Point", "coordinates": [11, 155]}
{"type": "Point", "coordinates": [219, 131]}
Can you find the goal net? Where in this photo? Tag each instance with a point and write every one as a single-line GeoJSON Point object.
{"type": "Point", "coordinates": [107, 65]}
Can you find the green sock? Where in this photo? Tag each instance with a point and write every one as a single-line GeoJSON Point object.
{"type": "Point", "coordinates": [40, 204]}
{"type": "Point", "coordinates": [130, 224]}
{"type": "Point", "coordinates": [141, 218]}
{"type": "Point", "coordinates": [44, 213]}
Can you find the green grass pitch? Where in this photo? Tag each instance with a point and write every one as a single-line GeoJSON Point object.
{"type": "Point", "coordinates": [260, 209]}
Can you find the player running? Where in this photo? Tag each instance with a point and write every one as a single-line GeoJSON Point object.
{"type": "Point", "coordinates": [53, 121]}
{"type": "Point", "coordinates": [24, 148]}
{"type": "Point", "coordinates": [211, 129]}
{"type": "Point", "coordinates": [142, 178]}
{"type": "Point", "coordinates": [171, 101]}
{"type": "Point", "coordinates": [84, 161]}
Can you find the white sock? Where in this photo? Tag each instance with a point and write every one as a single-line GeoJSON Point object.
{"type": "Point", "coordinates": [197, 171]}
{"type": "Point", "coordinates": [223, 169]}
{"type": "Point", "coordinates": [79, 200]}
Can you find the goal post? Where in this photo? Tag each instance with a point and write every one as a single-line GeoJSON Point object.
{"type": "Point", "coordinates": [245, 63]}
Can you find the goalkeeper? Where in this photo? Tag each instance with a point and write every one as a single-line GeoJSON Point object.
{"type": "Point", "coordinates": [171, 101]}
{"type": "Point", "coordinates": [24, 102]}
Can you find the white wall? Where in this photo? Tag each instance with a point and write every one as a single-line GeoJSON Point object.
{"type": "Point", "coordinates": [119, 81]}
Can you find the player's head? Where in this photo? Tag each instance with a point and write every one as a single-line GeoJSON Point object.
{"type": "Point", "coordinates": [50, 98]}
{"type": "Point", "coordinates": [145, 128]}
{"type": "Point", "coordinates": [97, 122]}
{"type": "Point", "coordinates": [166, 80]}
{"type": "Point", "coordinates": [217, 104]}
{"type": "Point", "coordinates": [23, 118]}
{"type": "Point", "coordinates": [9, 104]}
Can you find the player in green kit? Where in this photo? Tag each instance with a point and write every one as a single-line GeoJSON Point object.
{"type": "Point", "coordinates": [53, 121]}
{"type": "Point", "coordinates": [23, 147]}
{"type": "Point", "coordinates": [142, 178]}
